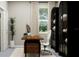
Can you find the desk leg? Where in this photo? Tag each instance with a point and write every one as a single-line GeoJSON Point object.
{"type": "Point", "coordinates": [25, 55]}
{"type": "Point", "coordinates": [39, 49]}
{"type": "Point", "coordinates": [25, 48]}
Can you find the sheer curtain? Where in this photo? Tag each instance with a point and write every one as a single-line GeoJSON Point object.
{"type": "Point", "coordinates": [50, 6]}
{"type": "Point", "coordinates": [34, 17]}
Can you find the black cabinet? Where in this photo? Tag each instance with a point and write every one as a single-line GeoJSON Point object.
{"type": "Point", "coordinates": [69, 28]}
{"type": "Point", "coordinates": [54, 28]}
{"type": "Point", "coordinates": [63, 27]}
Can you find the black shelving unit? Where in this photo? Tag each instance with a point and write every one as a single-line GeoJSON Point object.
{"type": "Point", "coordinates": [54, 28]}
{"type": "Point", "coordinates": [63, 28]}
{"type": "Point", "coordinates": [69, 28]}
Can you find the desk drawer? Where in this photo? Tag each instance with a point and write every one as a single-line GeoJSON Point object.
{"type": "Point", "coordinates": [32, 48]}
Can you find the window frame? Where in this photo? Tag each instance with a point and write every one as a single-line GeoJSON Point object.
{"type": "Point", "coordinates": [43, 20]}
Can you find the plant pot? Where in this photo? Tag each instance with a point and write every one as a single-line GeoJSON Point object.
{"type": "Point", "coordinates": [12, 45]}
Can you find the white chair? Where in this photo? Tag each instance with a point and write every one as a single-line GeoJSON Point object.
{"type": "Point", "coordinates": [46, 44]}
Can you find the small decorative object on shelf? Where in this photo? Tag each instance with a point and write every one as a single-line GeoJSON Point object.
{"type": "Point", "coordinates": [64, 17]}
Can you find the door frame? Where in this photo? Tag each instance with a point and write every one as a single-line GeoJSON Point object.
{"type": "Point", "coordinates": [1, 28]}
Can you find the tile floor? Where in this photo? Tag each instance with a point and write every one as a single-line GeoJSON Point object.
{"type": "Point", "coordinates": [7, 52]}
{"type": "Point", "coordinates": [19, 52]}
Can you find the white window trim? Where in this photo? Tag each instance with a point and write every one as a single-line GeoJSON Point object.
{"type": "Point", "coordinates": [43, 20]}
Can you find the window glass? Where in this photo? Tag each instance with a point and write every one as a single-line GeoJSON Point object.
{"type": "Point", "coordinates": [43, 17]}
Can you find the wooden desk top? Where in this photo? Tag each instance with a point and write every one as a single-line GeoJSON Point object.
{"type": "Point", "coordinates": [31, 37]}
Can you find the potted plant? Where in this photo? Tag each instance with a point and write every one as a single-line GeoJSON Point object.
{"type": "Point", "coordinates": [12, 30]}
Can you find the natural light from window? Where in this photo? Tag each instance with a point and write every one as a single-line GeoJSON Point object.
{"type": "Point", "coordinates": [43, 17]}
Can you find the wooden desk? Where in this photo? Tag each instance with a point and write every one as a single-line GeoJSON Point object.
{"type": "Point", "coordinates": [32, 44]}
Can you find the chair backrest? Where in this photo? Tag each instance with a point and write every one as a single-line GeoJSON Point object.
{"type": "Point", "coordinates": [49, 36]}
{"type": "Point", "coordinates": [47, 39]}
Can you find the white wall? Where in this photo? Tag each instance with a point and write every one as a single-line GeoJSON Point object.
{"type": "Point", "coordinates": [51, 6]}
{"type": "Point", "coordinates": [25, 13]}
{"type": "Point", "coordinates": [34, 17]}
{"type": "Point", "coordinates": [4, 25]}
{"type": "Point", "coordinates": [20, 10]}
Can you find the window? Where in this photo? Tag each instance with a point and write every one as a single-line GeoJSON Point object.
{"type": "Point", "coordinates": [43, 17]}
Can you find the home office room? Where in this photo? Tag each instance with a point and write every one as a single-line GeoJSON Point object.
{"type": "Point", "coordinates": [39, 28]}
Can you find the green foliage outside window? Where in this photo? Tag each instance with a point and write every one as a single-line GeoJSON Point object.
{"type": "Point", "coordinates": [43, 12]}
{"type": "Point", "coordinates": [42, 28]}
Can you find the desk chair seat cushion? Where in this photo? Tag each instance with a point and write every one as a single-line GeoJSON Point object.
{"type": "Point", "coordinates": [45, 44]}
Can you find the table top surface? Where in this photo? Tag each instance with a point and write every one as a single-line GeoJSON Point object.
{"type": "Point", "coordinates": [32, 37]}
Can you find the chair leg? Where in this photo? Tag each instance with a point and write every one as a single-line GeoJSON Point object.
{"type": "Point", "coordinates": [49, 52]}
